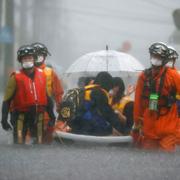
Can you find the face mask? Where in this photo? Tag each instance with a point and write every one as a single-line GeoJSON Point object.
{"type": "Point", "coordinates": [27, 65]}
{"type": "Point", "coordinates": [170, 64]}
{"type": "Point", "coordinates": [156, 62]}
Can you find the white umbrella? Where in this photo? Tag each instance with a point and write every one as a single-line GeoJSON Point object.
{"type": "Point", "coordinates": [106, 60]}
{"type": "Point", "coordinates": [116, 63]}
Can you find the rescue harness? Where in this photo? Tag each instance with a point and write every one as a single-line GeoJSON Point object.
{"type": "Point", "coordinates": [150, 88]}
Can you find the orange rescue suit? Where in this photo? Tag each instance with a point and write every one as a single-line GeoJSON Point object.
{"type": "Point", "coordinates": [159, 131]}
{"type": "Point", "coordinates": [54, 86]}
{"type": "Point", "coordinates": [55, 91]}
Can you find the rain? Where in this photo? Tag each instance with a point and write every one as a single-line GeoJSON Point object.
{"type": "Point", "coordinates": [71, 29]}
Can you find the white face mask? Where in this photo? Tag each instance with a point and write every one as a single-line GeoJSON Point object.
{"type": "Point", "coordinates": [170, 64]}
{"type": "Point", "coordinates": [156, 62]}
{"type": "Point", "coordinates": [27, 65]}
{"type": "Point", "coordinates": [40, 59]}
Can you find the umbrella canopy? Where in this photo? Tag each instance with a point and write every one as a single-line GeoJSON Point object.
{"type": "Point", "coordinates": [116, 63]}
{"type": "Point", "coordinates": [106, 60]}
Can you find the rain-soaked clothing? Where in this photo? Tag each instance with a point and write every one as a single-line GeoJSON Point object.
{"type": "Point", "coordinates": [28, 95]}
{"type": "Point", "coordinates": [159, 127]}
{"type": "Point", "coordinates": [54, 86]}
{"type": "Point", "coordinates": [178, 106]}
{"type": "Point", "coordinates": [125, 106]}
{"type": "Point", "coordinates": [95, 117]}
{"type": "Point", "coordinates": [29, 92]}
{"type": "Point", "coordinates": [55, 91]}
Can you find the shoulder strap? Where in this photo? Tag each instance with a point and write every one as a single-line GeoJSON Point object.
{"type": "Point", "coordinates": [161, 84]}
{"type": "Point", "coordinates": [147, 74]}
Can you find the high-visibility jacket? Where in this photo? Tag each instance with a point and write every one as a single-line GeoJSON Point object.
{"type": "Point", "coordinates": [29, 92]}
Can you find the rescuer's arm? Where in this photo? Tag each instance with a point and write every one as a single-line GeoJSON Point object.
{"type": "Point", "coordinates": [9, 93]}
{"type": "Point", "coordinates": [138, 107]}
{"type": "Point", "coordinates": [50, 111]}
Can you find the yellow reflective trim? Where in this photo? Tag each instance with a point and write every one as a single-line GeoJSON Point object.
{"type": "Point", "coordinates": [20, 122]}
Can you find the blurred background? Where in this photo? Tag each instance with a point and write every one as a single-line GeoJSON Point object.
{"type": "Point", "coordinates": [72, 28]}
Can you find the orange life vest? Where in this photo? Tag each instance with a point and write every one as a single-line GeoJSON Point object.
{"type": "Point", "coordinates": [121, 104]}
{"type": "Point", "coordinates": [29, 91]}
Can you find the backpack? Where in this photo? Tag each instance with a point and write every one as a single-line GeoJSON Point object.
{"type": "Point", "coordinates": [71, 101]}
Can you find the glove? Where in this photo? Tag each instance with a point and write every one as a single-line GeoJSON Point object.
{"type": "Point", "coordinates": [137, 135]}
{"type": "Point", "coordinates": [51, 122]}
{"type": "Point", "coordinates": [5, 125]}
{"type": "Point", "coordinates": [58, 108]}
{"type": "Point", "coordinates": [5, 108]}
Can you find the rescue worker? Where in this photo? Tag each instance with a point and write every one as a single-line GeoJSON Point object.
{"type": "Point", "coordinates": [95, 116]}
{"type": "Point", "coordinates": [122, 104]}
{"type": "Point", "coordinates": [155, 107]}
{"type": "Point", "coordinates": [172, 57]}
{"type": "Point", "coordinates": [54, 86]}
{"type": "Point", "coordinates": [26, 93]}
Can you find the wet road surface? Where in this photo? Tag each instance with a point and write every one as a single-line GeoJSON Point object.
{"type": "Point", "coordinates": [84, 162]}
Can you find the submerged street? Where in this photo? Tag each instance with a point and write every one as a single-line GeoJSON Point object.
{"type": "Point", "coordinates": [83, 161]}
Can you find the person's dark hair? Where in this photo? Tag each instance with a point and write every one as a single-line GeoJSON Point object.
{"type": "Point", "coordinates": [117, 81]}
{"type": "Point", "coordinates": [88, 80]}
{"type": "Point", "coordinates": [81, 81]}
{"type": "Point", "coordinates": [104, 79]}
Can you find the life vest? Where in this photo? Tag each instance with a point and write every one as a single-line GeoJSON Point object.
{"type": "Point", "coordinates": [89, 88]}
{"type": "Point", "coordinates": [122, 103]}
{"type": "Point", "coordinates": [29, 92]}
{"type": "Point", "coordinates": [48, 72]}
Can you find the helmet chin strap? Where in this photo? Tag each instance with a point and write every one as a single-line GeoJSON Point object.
{"type": "Point", "coordinates": [156, 67]}
{"type": "Point", "coordinates": [29, 71]}
{"type": "Point", "coordinates": [39, 63]}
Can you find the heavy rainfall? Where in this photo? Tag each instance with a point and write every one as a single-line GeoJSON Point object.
{"type": "Point", "coordinates": [83, 38]}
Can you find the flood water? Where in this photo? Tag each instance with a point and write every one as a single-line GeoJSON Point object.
{"type": "Point", "coordinates": [72, 161]}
